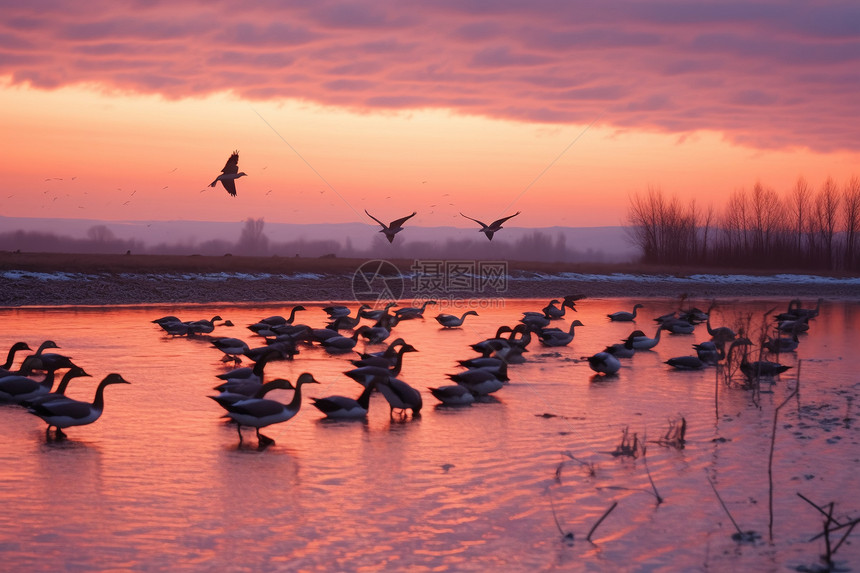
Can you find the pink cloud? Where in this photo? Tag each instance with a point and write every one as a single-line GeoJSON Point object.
{"type": "Point", "coordinates": [766, 73]}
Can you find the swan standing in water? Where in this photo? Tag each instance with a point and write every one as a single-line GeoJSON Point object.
{"type": "Point", "coordinates": [721, 333]}
{"type": "Point", "coordinates": [60, 392]}
{"type": "Point", "coordinates": [231, 347]}
{"type": "Point", "coordinates": [795, 311]}
{"type": "Point", "coordinates": [65, 412]}
{"type": "Point", "coordinates": [493, 227]}
{"type": "Point", "coordinates": [400, 395]}
{"type": "Point", "coordinates": [341, 344]}
{"type": "Point", "coordinates": [686, 363]}
{"type": "Point", "coordinates": [10, 358]}
{"type": "Point", "coordinates": [453, 395]}
{"type": "Point", "coordinates": [237, 393]}
{"type": "Point", "coordinates": [451, 321]}
{"type": "Point", "coordinates": [394, 227]}
{"type": "Point", "coordinates": [624, 316]}
{"type": "Point", "coordinates": [554, 312]}
{"type": "Point", "coordinates": [645, 343]}
{"type": "Point", "coordinates": [710, 352]}
{"type": "Point", "coordinates": [479, 381]}
{"type": "Point", "coordinates": [345, 408]}
{"type": "Point", "coordinates": [229, 174]}
{"type": "Point", "coordinates": [261, 412]}
{"type": "Point", "coordinates": [18, 389]}
{"type": "Point", "coordinates": [375, 314]}
{"type": "Point", "coordinates": [411, 312]}
{"type": "Point", "coordinates": [623, 349]}
{"type": "Point", "coordinates": [556, 336]}
{"type": "Point", "coordinates": [604, 363]}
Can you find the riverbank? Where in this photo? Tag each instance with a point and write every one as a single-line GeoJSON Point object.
{"type": "Point", "coordinates": [49, 279]}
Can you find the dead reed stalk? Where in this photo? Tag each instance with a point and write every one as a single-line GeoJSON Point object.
{"type": "Point", "coordinates": [599, 521]}
{"type": "Point", "coordinates": [770, 456]}
{"type": "Point", "coordinates": [739, 535]}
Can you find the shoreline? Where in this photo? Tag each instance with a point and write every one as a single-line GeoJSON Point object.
{"type": "Point", "coordinates": [53, 280]}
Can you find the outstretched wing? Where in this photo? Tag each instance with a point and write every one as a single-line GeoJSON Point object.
{"type": "Point", "coordinates": [475, 220]}
{"type": "Point", "coordinates": [498, 223]}
{"type": "Point", "coordinates": [232, 166]}
{"type": "Point", "coordinates": [399, 222]}
{"type": "Point", "coordinates": [230, 186]}
{"type": "Point", "coordinates": [375, 219]}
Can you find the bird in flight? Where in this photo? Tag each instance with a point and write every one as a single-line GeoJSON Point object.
{"type": "Point", "coordinates": [229, 174]}
{"type": "Point", "coordinates": [490, 229]}
{"type": "Point", "coordinates": [394, 227]}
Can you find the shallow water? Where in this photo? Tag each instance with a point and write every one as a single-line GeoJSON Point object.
{"type": "Point", "coordinates": [160, 483]}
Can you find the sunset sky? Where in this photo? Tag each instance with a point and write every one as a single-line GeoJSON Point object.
{"type": "Point", "coordinates": [561, 110]}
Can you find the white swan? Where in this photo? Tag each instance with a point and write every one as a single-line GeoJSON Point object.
{"type": "Point", "coordinates": [10, 357]}
{"type": "Point", "coordinates": [721, 333]}
{"type": "Point", "coordinates": [411, 312]}
{"type": "Point", "coordinates": [64, 413]}
{"type": "Point", "coordinates": [556, 336]}
{"type": "Point", "coordinates": [344, 407]}
{"type": "Point", "coordinates": [645, 343]}
{"type": "Point", "coordinates": [453, 395]}
{"type": "Point", "coordinates": [624, 316]}
{"type": "Point", "coordinates": [261, 412]}
{"type": "Point", "coordinates": [479, 381]}
{"type": "Point", "coordinates": [451, 321]}
{"type": "Point", "coordinates": [232, 348]}
{"type": "Point", "coordinates": [604, 363]}
{"type": "Point", "coordinates": [686, 363]}
{"type": "Point", "coordinates": [400, 395]}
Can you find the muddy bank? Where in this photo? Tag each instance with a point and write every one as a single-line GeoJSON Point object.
{"type": "Point", "coordinates": [53, 279]}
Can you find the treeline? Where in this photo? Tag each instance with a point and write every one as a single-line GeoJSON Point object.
{"type": "Point", "coordinates": [99, 239]}
{"type": "Point", "coordinates": [803, 228]}
{"type": "Point", "coordinates": [253, 241]}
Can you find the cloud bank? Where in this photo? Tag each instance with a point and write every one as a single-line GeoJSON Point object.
{"type": "Point", "coordinates": [767, 74]}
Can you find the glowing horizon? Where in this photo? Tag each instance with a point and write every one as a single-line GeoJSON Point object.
{"type": "Point", "coordinates": [350, 107]}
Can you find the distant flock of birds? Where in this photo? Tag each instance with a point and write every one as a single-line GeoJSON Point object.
{"type": "Point", "coordinates": [242, 391]}
{"type": "Point", "coordinates": [231, 172]}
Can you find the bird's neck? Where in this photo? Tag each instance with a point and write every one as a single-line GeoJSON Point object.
{"type": "Point", "coordinates": [99, 401]}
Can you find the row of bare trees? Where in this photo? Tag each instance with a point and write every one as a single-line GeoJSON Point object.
{"type": "Point", "coordinates": [801, 229]}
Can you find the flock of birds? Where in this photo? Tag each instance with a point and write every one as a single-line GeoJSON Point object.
{"type": "Point", "coordinates": [242, 391]}
{"type": "Point", "coordinates": [25, 387]}
{"type": "Point", "coordinates": [231, 172]}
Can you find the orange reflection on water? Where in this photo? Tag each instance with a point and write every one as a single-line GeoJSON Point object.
{"type": "Point", "coordinates": [159, 482]}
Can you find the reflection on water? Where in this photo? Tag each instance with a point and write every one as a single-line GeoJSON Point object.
{"type": "Point", "coordinates": [160, 483]}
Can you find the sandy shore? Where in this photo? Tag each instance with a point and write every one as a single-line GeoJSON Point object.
{"type": "Point", "coordinates": [39, 279]}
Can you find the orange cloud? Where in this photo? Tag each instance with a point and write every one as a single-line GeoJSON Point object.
{"type": "Point", "coordinates": [766, 74]}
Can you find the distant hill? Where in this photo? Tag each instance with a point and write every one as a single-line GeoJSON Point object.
{"type": "Point", "coordinates": [602, 244]}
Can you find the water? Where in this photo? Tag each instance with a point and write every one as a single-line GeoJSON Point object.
{"type": "Point", "coordinates": [160, 482]}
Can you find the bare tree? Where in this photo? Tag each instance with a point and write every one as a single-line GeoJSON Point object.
{"type": "Point", "coordinates": [799, 207]}
{"type": "Point", "coordinates": [643, 219]}
{"type": "Point", "coordinates": [100, 234]}
{"type": "Point", "coordinates": [735, 225]}
{"type": "Point", "coordinates": [851, 222]}
{"type": "Point", "coordinates": [253, 241]}
{"type": "Point", "coordinates": [766, 215]}
{"type": "Point", "coordinates": [704, 223]}
{"type": "Point", "coordinates": [827, 219]}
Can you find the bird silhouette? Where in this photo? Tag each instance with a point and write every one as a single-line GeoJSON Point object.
{"type": "Point", "coordinates": [392, 228]}
{"type": "Point", "coordinates": [229, 174]}
{"type": "Point", "coordinates": [493, 227]}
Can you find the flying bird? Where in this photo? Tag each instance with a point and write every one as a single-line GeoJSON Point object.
{"type": "Point", "coordinates": [394, 227]}
{"type": "Point", "coordinates": [229, 174]}
{"type": "Point", "coordinates": [491, 229]}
